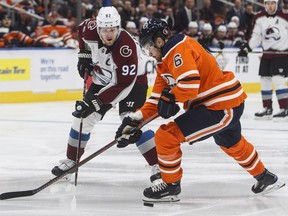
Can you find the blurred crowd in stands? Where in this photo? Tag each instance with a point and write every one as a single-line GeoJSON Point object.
{"type": "Point", "coordinates": [53, 23]}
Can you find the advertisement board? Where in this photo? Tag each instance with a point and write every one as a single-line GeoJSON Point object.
{"type": "Point", "coordinates": [28, 75]}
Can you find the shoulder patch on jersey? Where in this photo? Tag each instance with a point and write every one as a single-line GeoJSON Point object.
{"type": "Point", "coordinates": [91, 25]}
{"type": "Point", "coordinates": [169, 79]}
{"type": "Point", "coordinates": [177, 60]}
{"type": "Point", "coordinates": [125, 51]}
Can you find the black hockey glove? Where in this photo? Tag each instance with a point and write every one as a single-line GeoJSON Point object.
{"type": "Point", "coordinates": [85, 64]}
{"type": "Point", "coordinates": [90, 104]}
{"type": "Point", "coordinates": [221, 45]}
{"type": "Point", "coordinates": [244, 50]}
{"type": "Point", "coordinates": [127, 132]}
{"type": "Point", "coordinates": [167, 106]}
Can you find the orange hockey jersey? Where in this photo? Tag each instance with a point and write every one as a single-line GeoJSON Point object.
{"type": "Point", "coordinates": [56, 31]}
{"type": "Point", "coordinates": [194, 77]}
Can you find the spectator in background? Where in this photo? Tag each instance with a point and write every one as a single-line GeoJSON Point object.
{"type": "Point", "coordinates": [206, 36]}
{"type": "Point", "coordinates": [127, 13]}
{"type": "Point", "coordinates": [285, 7]}
{"type": "Point", "coordinates": [185, 15]}
{"type": "Point", "coordinates": [220, 38]}
{"type": "Point", "coordinates": [248, 19]}
{"type": "Point", "coordinates": [142, 21]}
{"type": "Point", "coordinates": [25, 23]}
{"type": "Point", "coordinates": [207, 13]}
{"type": "Point", "coordinates": [87, 4]}
{"type": "Point", "coordinates": [27, 5]}
{"type": "Point", "coordinates": [193, 30]}
{"type": "Point", "coordinates": [140, 12]}
{"type": "Point", "coordinates": [55, 34]}
{"type": "Point", "coordinates": [132, 29]}
{"type": "Point", "coordinates": [10, 37]}
{"type": "Point", "coordinates": [236, 20]}
{"type": "Point", "coordinates": [236, 10]}
{"type": "Point", "coordinates": [168, 17]}
{"type": "Point", "coordinates": [235, 37]}
{"type": "Point", "coordinates": [150, 11]}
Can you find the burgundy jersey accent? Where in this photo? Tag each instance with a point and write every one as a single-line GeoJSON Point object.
{"type": "Point", "coordinates": [119, 63]}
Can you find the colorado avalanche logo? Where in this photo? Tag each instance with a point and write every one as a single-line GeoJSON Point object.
{"type": "Point", "coordinates": [91, 25]}
{"type": "Point", "coordinates": [125, 51]}
{"type": "Point", "coordinates": [272, 33]}
{"type": "Point", "coordinates": [169, 79]}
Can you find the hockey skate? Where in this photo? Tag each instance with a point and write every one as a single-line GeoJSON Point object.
{"type": "Point", "coordinates": [267, 184]}
{"type": "Point", "coordinates": [155, 174]}
{"type": "Point", "coordinates": [162, 192]}
{"type": "Point", "coordinates": [63, 167]}
{"type": "Point", "coordinates": [264, 114]}
{"type": "Point", "coordinates": [281, 116]}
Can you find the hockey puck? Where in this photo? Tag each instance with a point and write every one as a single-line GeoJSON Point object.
{"type": "Point", "coordinates": [148, 204]}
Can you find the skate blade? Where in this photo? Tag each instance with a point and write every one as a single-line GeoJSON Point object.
{"type": "Point", "coordinates": [285, 119]}
{"type": "Point", "coordinates": [263, 118]}
{"type": "Point", "coordinates": [173, 198]}
{"type": "Point", "coordinates": [272, 188]}
{"type": "Point", "coordinates": [66, 178]}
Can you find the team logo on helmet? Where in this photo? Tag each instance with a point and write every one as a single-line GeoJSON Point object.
{"type": "Point", "coordinates": [125, 51]}
{"type": "Point", "coordinates": [165, 31]}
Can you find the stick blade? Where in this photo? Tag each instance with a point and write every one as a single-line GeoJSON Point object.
{"type": "Point", "coordinates": [16, 194]}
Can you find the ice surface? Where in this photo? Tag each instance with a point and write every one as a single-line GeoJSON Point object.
{"type": "Point", "coordinates": [33, 139]}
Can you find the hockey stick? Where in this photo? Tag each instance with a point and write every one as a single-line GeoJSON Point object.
{"type": "Point", "coordinates": [16, 194]}
{"type": "Point", "coordinates": [80, 129]}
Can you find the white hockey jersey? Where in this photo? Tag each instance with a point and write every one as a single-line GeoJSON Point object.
{"type": "Point", "coordinates": [270, 32]}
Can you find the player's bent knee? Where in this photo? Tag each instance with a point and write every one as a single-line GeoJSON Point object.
{"type": "Point", "coordinates": [168, 135]}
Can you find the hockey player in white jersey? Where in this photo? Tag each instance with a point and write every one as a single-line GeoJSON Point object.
{"type": "Point", "coordinates": [117, 65]}
{"type": "Point", "coordinates": [270, 30]}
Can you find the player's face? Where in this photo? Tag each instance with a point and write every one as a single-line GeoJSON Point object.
{"type": "Point", "coordinates": [109, 35]}
{"type": "Point", "coordinates": [270, 7]}
{"type": "Point", "coordinates": [153, 51]}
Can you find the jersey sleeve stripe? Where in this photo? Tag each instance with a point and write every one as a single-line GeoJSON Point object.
{"type": "Point", "coordinates": [153, 101]}
{"type": "Point", "coordinates": [216, 88]}
{"type": "Point", "coordinates": [192, 86]}
{"type": "Point", "coordinates": [182, 76]}
{"type": "Point", "coordinates": [225, 98]}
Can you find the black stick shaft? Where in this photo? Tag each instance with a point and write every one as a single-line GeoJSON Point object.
{"type": "Point", "coordinates": [16, 194]}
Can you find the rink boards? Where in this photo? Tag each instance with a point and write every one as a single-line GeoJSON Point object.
{"type": "Point", "coordinates": [35, 75]}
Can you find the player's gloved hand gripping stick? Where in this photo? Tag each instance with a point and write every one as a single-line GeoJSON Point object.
{"type": "Point", "coordinates": [15, 194]}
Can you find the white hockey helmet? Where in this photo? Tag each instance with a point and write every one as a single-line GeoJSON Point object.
{"type": "Point", "coordinates": [222, 28]}
{"type": "Point", "coordinates": [108, 17]}
{"type": "Point", "coordinates": [193, 24]}
{"type": "Point", "coordinates": [207, 27]}
{"type": "Point", "coordinates": [271, 1]}
{"type": "Point", "coordinates": [276, 1]}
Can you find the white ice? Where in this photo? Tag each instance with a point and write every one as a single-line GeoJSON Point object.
{"type": "Point", "coordinates": [33, 139]}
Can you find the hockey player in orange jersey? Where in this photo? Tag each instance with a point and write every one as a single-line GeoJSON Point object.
{"type": "Point", "coordinates": [213, 101]}
{"type": "Point", "coordinates": [55, 33]}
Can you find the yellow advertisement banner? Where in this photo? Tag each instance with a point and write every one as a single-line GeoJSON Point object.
{"type": "Point", "coordinates": [14, 69]}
